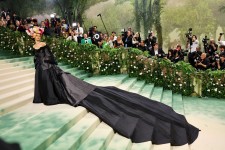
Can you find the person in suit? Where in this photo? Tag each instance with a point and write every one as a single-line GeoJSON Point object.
{"type": "Point", "coordinates": [156, 51]}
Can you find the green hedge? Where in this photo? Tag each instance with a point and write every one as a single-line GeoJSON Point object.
{"type": "Point", "coordinates": [180, 78]}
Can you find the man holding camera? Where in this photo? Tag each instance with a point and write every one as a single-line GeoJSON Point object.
{"type": "Point", "coordinates": [220, 63]}
{"type": "Point", "coordinates": [203, 63]}
{"type": "Point", "coordinates": [212, 47]}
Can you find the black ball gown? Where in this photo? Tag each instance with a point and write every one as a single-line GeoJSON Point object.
{"type": "Point", "coordinates": [131, 115]}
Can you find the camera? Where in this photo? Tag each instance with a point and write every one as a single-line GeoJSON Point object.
{"type": "Point", "coordinates": [205, 43]}
{"type": "Point", "coordinates": [189, 33]}
{"type": "Point", "coordinates": [205, 40]}
{"type": "Point", "coordinates": [197, 60]}
{"type": "Point", "coordinates": [221, 34]}
{"type": "Point", "coordinates": [217, 57]}
{"type": "Point", "coordinates": [184, 52]}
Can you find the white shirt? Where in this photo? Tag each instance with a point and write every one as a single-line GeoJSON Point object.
{"type": "Point", "coordinates": [194, 45]}
{"type": "Point", "coordinates": [81, 31]}
{"type": "Point", "coordinates": [110, 43]}
{"type": "Point", "coordinates": [115, 38]}
{"type": "Point", "coordinates": [72, 38]}
{"type": "Point", "coordinates": [222, 43]}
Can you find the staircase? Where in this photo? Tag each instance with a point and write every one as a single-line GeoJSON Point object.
{"type": "Point", "coordinates": [63, 127]}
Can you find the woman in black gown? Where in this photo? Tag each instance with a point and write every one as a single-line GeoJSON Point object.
{"type": "Point", "coordinates": [131, 115]}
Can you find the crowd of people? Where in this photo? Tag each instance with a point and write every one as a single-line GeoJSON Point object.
{"type": "Point", "coordinates": [201, 60]}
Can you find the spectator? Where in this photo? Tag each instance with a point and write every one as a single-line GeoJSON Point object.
{"type": "Point", "coordinates": [114, 36]}
{"type": "Point", "coordinates": [111, 42]}
{"type": "Point", "coordinates": [86, 40]}
{"type": "Point", "coordinates": [170, 55]}
{"type": "Point", "coordinates": [80, 32]}
{"type": "Point", "coordinates": [128, 39]}
{"type": "Point", "coordinates": [143, 46]}
{"type": "Point", "coordinates": [156, 51]}
{"type": "Point", "coordinates": [72, 36]}
{"type": "Point", "coordinates": [136, 40]}
{"type": "Point", "coordinates": [119, 42]}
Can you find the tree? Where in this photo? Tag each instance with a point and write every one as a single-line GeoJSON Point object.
{"type": "Point", "coordinates": [149, 13]}
{"type": "Point", "coordinates": [194, 14]}
{"type": "Point", "coordinates": [73, 10]}
{"type": "Point", "coordinates": [25, 8]}
{"type": "Point", "coordinates": [157, 21]}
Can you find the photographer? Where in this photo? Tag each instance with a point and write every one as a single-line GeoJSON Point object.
{"type": "Point", "coordinates": [193, 44]}
{"type": "Point", "coordinates": [203, 63]}
{"type": "Point", "coordinates": [196, 56]}
{"type": "Point", "coordinates": [222, 49]}
{"type": "Point", "coordinates": [180, 53]}
{"type": "Point", "coordinates": [221, 62]}
{"type": "Point", "coordinates": [212, 48]}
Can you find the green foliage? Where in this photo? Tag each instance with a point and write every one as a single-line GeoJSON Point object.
{"type": "Point", "coordinates": [176, 77]}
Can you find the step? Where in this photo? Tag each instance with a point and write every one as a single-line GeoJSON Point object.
{"type": "Point", "coordinates": [64, 67]}
{"type": "Point", "coordinates": [137, 87]}
{"type": "Point", "coordinates": [147, 90]}
{"type": "Point", "coordinates": [178, 105]}
{"type": "Point", "coordinates": [157, 94]}
{"type": "Point", "coordinates": [128, 83]}
{"type": "Point", "coordinates": [10, 69]}
{"type": "Point", "coordinates": [70, 70]}
{"type": "Point", "coordinates": [161, 147]}
{"type": "Point", "coordinates": [50, 126]}
{"type": "Point", "coordinates": [167, 98]}
{"type": "Point", "coordinates": [142, 146]}
{"type": "Point", "coordinates": [17, 85]}
{"type": "Point", "coordinates": [16, 79]}
{"type": "Point", "coordinates": [77, 134]}
{"type": "Point", "coordinates": [17, 59]}
{"type": "Point", "coordinates": [26, 64]}
{"type": "Point", "coordinates": [16, 103]}
{"type": "Point", "coordinates": [17, 72]}
{"type": "Point", "coordinates": [23, 114]}
{"type": "Point", "coordinates": [119, 142]}
{"type": "Point", "coordinates": [16, 94]}
{"type": "Point", "coordinates": [99, 139]}
{"type": "Point", "coordinates": [109, 80]}
{"type": "Point", "coordinates": [83, 76]}
{"type": "Point", "coordinates": [78, 72]}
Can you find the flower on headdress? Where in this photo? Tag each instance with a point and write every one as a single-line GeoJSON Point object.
{"type": "Point", "coordinates": [35, 29]}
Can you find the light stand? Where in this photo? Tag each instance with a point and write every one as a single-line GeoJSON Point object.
{"type": "Point", "coordinates": [99, 15]}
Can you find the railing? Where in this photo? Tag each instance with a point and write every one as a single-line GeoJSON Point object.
{"type": "Point", "coordinates": [180, 77]}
